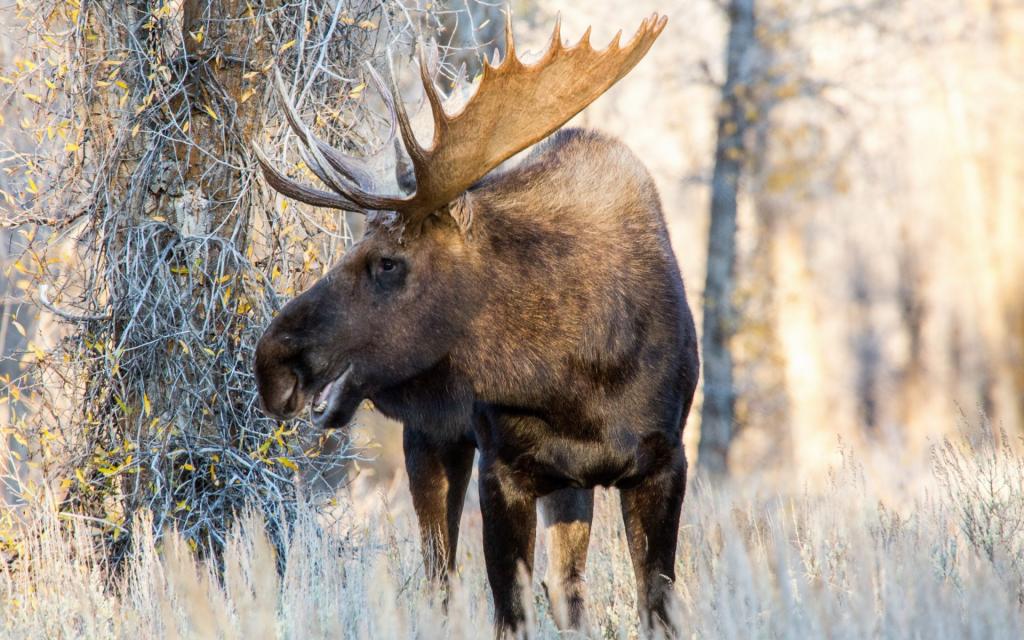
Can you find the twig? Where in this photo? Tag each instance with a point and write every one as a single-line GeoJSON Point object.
{"type": "Point", "coordinates": [67, 315]}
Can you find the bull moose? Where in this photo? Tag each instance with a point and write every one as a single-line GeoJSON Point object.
{"type": "Point", "coordinates": [535, 313]}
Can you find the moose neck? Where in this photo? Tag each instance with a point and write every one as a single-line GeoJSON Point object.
{"type": "Point", "coordinates": [561, 244]}
{"type": "Point", "coordinates": [523, 237]}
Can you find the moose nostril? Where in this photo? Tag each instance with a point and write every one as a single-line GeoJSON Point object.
{"type": "Point", "coordinates": [280, 398]}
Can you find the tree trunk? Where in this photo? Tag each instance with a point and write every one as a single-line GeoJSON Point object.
{"type": "Point", "coordinates": [718, 412]}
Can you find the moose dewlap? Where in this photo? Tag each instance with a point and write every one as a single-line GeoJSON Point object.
{"type": "Point", "coordinates": [536, 315]}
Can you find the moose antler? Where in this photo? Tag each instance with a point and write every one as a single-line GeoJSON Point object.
{"type": "Point", "coordinates": [515, 106]}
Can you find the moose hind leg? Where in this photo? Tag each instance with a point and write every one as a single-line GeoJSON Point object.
{"type": "Point", "coordinates": [509, 523]}
{"type": "Point", "coordinates": [567, 515]}
{"type": "Point", "coordinates": [439, 473]}
{"type": "Point", "coordinates": [650, 512]}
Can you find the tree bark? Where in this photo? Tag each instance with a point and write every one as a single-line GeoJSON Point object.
{"type": "Point", "coordinates": [719, 408]}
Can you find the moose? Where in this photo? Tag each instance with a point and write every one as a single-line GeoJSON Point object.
{"type": "Point", "coordinates": [534, 313]}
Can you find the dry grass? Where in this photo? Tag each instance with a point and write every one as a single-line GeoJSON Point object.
{"type": "Point", "coordinates": [837, 560]}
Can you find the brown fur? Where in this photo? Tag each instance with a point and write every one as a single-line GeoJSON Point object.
{"type": "Point", "coordinates": [541, 317]}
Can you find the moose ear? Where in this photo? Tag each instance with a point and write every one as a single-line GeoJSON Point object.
{"type": "Point", "coordinates": [460, 212]}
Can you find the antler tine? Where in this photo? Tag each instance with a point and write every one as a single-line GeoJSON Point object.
{"type": "Point", "coordinates": [352, 169]}
{"type": "Point", "coordinates": [585, 39]}
{"type": "Point", "coordinates": [510, 41]}
{"type": "Point", "coordinates": [433, 98]}
{"type": "Point", "coordinates": [328, 164]}
{"type": "Point", "coordinates": [389, 103]}
{"type": "Point", "coordinates": [412, 147]}
{"type": "Point", "coordinates": [313, 151]}
{"type": "Point", "coordinates": [293, 189]}
{"type": "Point", "coordinates": [556, 35]}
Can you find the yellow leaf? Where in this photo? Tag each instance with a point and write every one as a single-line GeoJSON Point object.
{"type": "Point", "coordinates": [287, 463]}
{"type": "Point", "coordinates": [286, 46]}
{"type": "Point", "coordinates": [188, 467]}
{"type": "Point", "coordinates": [34, 98]}
{"type": "Point", "coordinates": [368, 25]}
{"type": "Point", "coordinates": [32, 188]}
{"type": "Point", "coordinates": [39, 353]}
{"type": "Point", "coordinates": [146, 406]}
{"type": "Point", "coordinates": [209, 110]}
{"type": "Point", "coordinates": [70, 147]}
{"type": "Point", "coordinates": [355, 93]}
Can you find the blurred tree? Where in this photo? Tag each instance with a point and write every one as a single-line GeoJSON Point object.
{"type": "Point", "coordinates": [19, 318]}
{"type": "Point", "coordinates": [720, 317]}
{"type": "Point", "coordinates": [780, 157]}
{"type": "Point", "coordinates": [865, 343]}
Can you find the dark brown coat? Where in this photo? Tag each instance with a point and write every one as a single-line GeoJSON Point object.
{"type": "Point", "coordinates": [540, 317]}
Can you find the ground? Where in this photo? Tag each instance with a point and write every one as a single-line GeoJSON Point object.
{"type": "Point", "coordinates": [936, 553]}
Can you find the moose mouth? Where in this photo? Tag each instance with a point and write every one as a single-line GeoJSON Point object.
{"type": "Point", "coordinates": [335, 404]}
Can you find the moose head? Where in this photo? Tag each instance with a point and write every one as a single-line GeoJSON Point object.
{"type": "Point", "coordinates": [412, 290]}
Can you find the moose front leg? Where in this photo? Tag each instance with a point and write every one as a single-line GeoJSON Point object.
{"type": "Point", "coordinates": [439, 472]}
{"type": "Point", "coordinates": [509, 523]}
{"type": "Point", "coordinates": [650, 512]}
{"type": "Point", "coordinates": [567, 515]}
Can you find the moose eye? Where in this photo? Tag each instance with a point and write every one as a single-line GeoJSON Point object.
{"type": "Point", "coordinates": [388, 273]}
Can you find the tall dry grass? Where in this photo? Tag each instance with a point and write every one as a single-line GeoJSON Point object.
{"type": "Point", "coordinates": [939, 558]}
